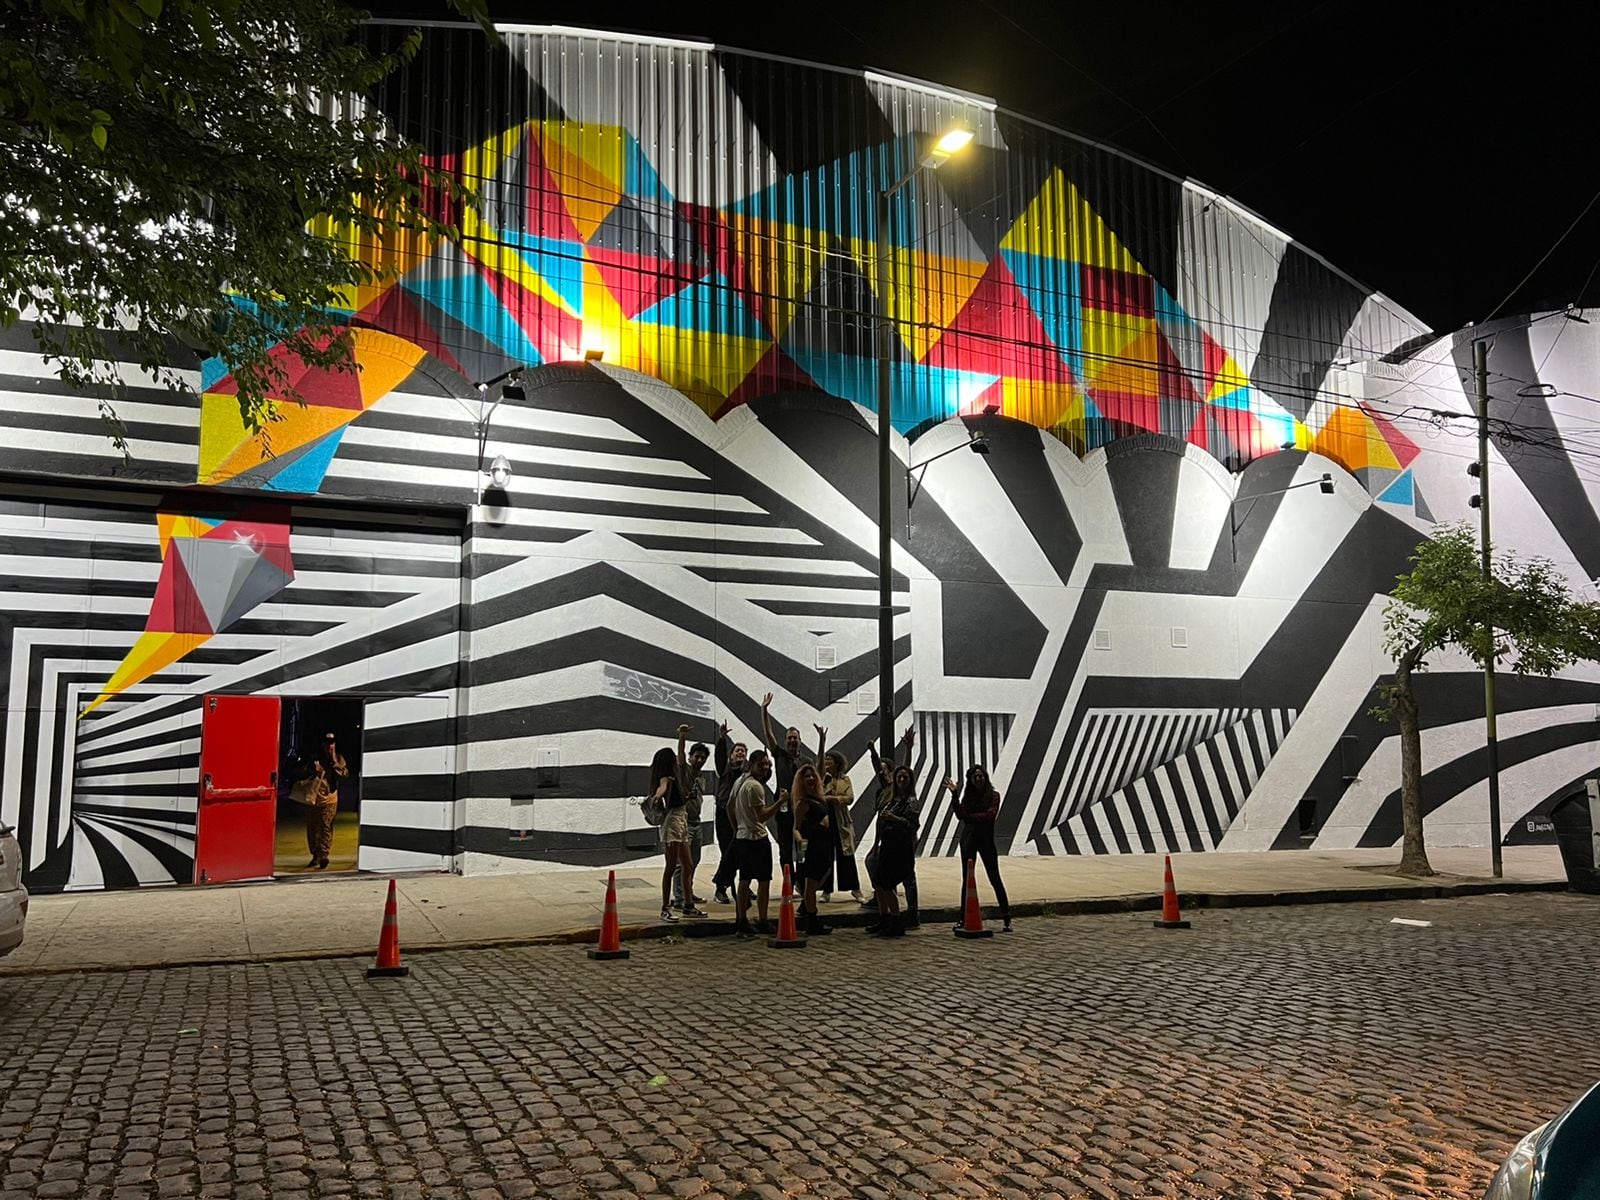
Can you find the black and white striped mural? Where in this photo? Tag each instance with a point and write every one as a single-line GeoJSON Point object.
{"type": "Point", "coordinates": [1140, 667]}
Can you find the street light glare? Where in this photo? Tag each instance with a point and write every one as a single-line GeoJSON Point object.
{"type": "Point", "coordinates": [953, 142]}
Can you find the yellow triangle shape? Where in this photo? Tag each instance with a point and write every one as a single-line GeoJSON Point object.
{"type": "Point", "coordinates": [222, 432]}
{"type": "Point", "coordinates": [1229, 379]}
{"type": "Point", "coordinates": [781, 261]}
{"type": "Point", "coordinates": [1058, 223]}
{"type": "Point", "coordinates": [386, 362]}
{"type": "Point", "coordinates": [151, 653]}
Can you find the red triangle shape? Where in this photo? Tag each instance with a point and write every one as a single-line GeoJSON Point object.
{"type": "Point", "coordinates": [637, 282]}
{"type": "Point", "coordinates": [555, 333]}
{"type": "Point", "coordinates": [547, 215]}
{"type": "Point", "coordinates": [394, 312]}
{"type": "Point", "coordinates": [775, 372]}
{"type": "Point", "coordinates": [997, 333]}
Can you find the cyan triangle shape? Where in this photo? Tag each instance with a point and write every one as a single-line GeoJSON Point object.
{"type": "Point", "coordinates": [918, 392]}
{"type": "Point", "coordinates": [470, 300]}
{"type": "Point", "coordinates": [640, 179]}
{"type": "Point", "coordinates": [1051, 286]}
{"type": "Point", "coordinates": [1399, 492]}
{"type": "Point", "coordinates": [709, 305]}
{"type": "Point", "coordinates": [306, 473]}
{"type": "Point", "coordinates": [558, 263]}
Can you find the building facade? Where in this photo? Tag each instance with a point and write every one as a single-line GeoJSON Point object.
{"type": "Point", "coordinates": [660, 320]}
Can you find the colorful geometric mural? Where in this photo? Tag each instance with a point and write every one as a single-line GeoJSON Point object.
{"type": "Point", "coordinates": [579, 247]}
{"type": "Point", "coordinates": [214, 571]}
{"type": "Point", "coordinates": [292, 452]}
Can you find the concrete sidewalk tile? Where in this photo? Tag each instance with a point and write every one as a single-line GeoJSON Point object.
{"type": "Point", "coordinates": [345, 915]}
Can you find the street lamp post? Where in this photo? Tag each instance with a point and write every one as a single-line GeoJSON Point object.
{"type": "Point", "coordinates": [948, 145]}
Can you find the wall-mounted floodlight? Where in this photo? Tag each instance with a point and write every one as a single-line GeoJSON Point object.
{"type": "Point", "coordinates": [500, 473]}
{"type": "Point", "coordinates": [1323, 485]}
{"type": "Point", "coordinates": [593, 354]}
{"type": "Point", "coordinates": [952, 142]}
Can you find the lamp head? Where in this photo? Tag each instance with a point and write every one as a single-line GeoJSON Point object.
{"type": "Point", "coordinates": [594, 354]}
{"type": "Point", "coordinates": [991, 409]}
{"type": "Point", "coordinates": [500, 473]}
{"type": "Point", "coordinates": [950, 143]}
{"type": "Point", "coordinates": [980, 443]}
{"type": "Point", "coordinates": [1325, 484]}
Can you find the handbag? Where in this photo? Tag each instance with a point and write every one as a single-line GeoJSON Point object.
{"type": "Point", "coordinates": [300, 793]}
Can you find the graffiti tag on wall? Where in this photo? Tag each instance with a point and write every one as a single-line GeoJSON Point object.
{"type": "Point", "coordinates": [659, 693]}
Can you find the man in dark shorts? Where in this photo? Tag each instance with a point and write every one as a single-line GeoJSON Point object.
{"type": "Point", "coordinates": [751, 847]}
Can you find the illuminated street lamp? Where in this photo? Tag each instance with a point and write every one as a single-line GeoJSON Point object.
{"type": "Point", "coordinates": [949, 144]}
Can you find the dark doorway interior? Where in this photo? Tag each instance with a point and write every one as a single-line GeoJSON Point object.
{"type": "Point", "coordinates": [303, 740]}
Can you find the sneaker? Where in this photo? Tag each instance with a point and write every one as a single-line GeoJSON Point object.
{"type": "Point", "coordinates": [721, 897]}
{"type": "Point", "coordinates": [1006, 928]}
{"type": "Point", "coordinates": [743, 931]}
{"type": "Point", "coordinates": [695, 913]}
{"type": "Point", "coordinates": [766, 927]}
{"type": "Point", "coordinates": [825, 898]}
{"type": "Point", "coordinates": [873, 928]}
{"type": "Point", "coordinates": [668, 915]}
{"type": "Point", "coordinates": [860, 899]}
{"type": "Point", "coordinates": [872, 904]}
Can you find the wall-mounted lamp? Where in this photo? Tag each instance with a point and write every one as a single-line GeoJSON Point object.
{"type": "Point", "coordinates": [1235, 524]}
{"type": "Point", "coordinates": [593, 354]}
{"type": "Point", "coordinates": [500, 473]}
{"type": "Point", "coordinates": [977, 441]}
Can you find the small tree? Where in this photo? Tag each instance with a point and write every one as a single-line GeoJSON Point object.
{"type": "Point", "coordinates": [1524, 615]}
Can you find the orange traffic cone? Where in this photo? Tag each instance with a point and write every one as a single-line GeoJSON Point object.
{"type": "Point", "coordinates": [972, 915]}
{"type": "Point", "coordinates": [610, 933]}
{"type": "Point", "coordinates": [389, 940]}
{"type": "Point", "coordinates": [788, 936]}
{"type": "Point", "coordinates": [1171, 918]}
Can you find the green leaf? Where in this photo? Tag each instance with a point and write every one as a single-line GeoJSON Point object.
{"type": "Point", "coordinates": [98, 133]}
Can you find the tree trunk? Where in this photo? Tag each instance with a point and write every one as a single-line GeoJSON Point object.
{"type": "Point", "coordinates": [1414, 854]}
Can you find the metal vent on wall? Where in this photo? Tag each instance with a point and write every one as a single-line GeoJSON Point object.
{"type": "Point", "coordinates": [827, 658]}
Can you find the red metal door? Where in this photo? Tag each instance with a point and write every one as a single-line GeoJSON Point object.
{"type": "Point", "coordinates": [238, 813]}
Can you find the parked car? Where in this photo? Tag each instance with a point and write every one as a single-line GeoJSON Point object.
{"type": "Point", "coordinates": [13, 896]}
{"type": "Point", "coordinates": [1558, 1160]}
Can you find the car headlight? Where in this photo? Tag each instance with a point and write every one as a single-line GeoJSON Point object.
{"type": "Point", "coordinates": [1514, 1179]}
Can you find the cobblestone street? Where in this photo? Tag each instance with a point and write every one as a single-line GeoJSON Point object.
{"type": "Point", "coordinates": [1316, 1051]}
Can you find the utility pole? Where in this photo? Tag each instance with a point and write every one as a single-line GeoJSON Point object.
{"type": "Point", "coordinates": [1480, 350]}
{"type": "Point", "coordinates": [885, 337]}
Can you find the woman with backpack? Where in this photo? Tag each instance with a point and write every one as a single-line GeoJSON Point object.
{"type": "Point", "coordinates": [977, 805]}
{"type": "Point", "coordinates": [667, 797]}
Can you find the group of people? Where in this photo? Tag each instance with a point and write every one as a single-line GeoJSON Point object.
{"type": "Point", "coordinates": [806, 803]}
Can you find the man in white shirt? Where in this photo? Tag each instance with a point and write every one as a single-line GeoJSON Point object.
{"type": "Point", "coordinates": [751, 845]}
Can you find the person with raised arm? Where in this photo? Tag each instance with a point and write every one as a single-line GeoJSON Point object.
{"type": "Point", "coordinates": [787, 757]}
{"type": "Point", "coordinates": [977, 804]}
{"type": "Point", "coordinates": [730, 763]}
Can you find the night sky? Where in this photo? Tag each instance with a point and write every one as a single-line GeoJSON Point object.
{"type": "Point", "coordinates": [1434, 158]}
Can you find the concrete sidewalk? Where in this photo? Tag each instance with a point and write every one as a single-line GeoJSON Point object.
{"type": "Point", "coordinates": [332, 917]}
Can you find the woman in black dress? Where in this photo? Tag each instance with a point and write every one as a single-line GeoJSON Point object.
{"type": "Point", "coordinates": [896, 851]}
{"type": "Point", "coordinates": [813, 818]}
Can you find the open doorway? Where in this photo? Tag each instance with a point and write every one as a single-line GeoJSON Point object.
{"type": "Point", "coordinates": [319, 793]}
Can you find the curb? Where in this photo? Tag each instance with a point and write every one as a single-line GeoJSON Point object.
{"type": "Point", "coordinates": [854, 916]}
